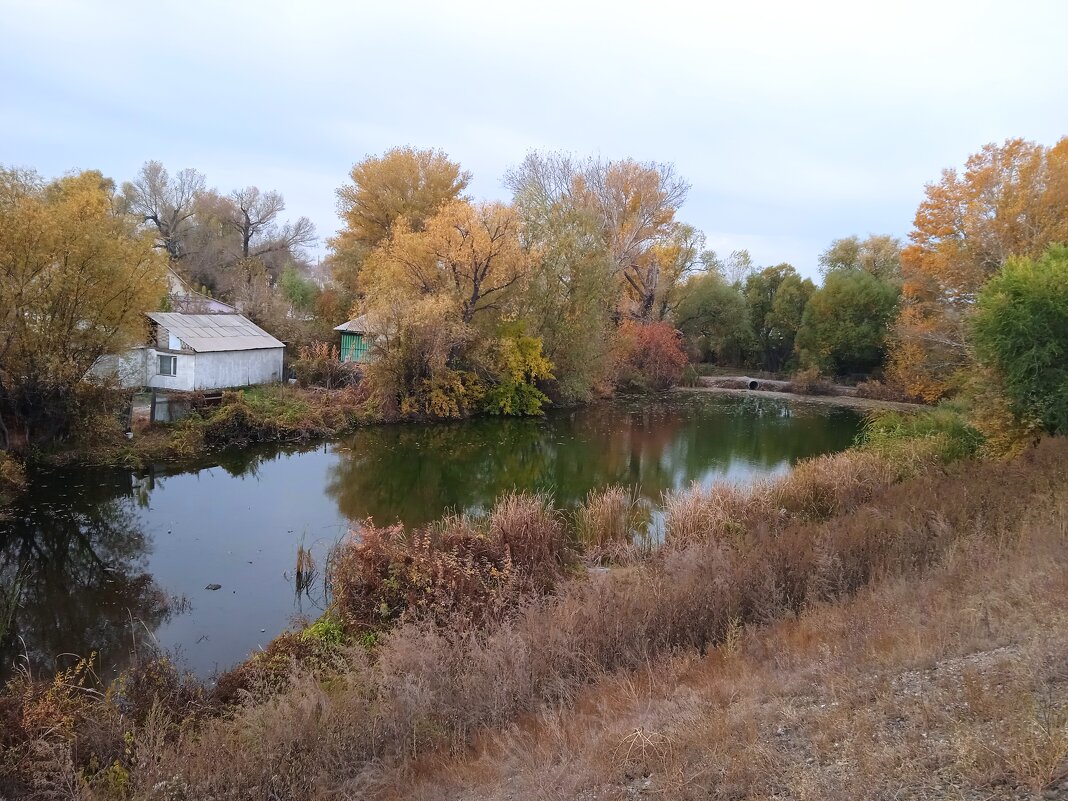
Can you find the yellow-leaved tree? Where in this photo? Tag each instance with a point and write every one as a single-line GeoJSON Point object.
{"type": "Point", "coordinates": [1011, 200]}
{"type": "Point", "coordinates": [436, 295]}
{"type": "Point", "coordinates": [467, 252]}
{"type": "Point", "coordinates": [402, 183]}
{"type": "Point", "coordinates": [76, 277]}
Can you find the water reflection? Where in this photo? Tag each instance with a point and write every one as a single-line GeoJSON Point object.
{"type": "Point", "coordinates": [413, 473]}
{"type": "Point", "coordinates": [104, 553]}
{"type": "Point", "coordinates": [75, 562]}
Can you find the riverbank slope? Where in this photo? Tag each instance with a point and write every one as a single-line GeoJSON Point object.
{"type": "Point", "coordinates": [949, 685]}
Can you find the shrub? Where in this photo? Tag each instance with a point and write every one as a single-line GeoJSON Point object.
{"type": "Point", "coordinates": [943, 431]}
{"type": "Point", "coordinates": [278, 413]}
{"type": "Point", "coordinates": [319, 364]}
{"type": "Point", "coordinates": [1021, 332]}
{"type": "Point", "coordinates": [461, 568]}
{"type": "Point", "coordinates": [418, 370]}
{"type": "Point", "coordinates": [649, 356]}
{"type": "Point", "coordinates": [270, 670]}
{"type": "Point", "coordinates": [12, 478]}
{"type": "Point", "coordinates": [518, 364]}
{"type": "Point", "coordinates": [811, 382]}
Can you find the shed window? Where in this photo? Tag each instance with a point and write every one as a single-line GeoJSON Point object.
{"type": "Point", "coordinates": [168, 365]}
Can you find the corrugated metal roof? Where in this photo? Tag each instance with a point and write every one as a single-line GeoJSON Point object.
{"type": "Point", "coordinates": [361, 325]}
{"type": "Point", "coordinates": [208, 333]}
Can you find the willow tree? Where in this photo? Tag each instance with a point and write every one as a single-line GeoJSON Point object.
{"type": "Point", "coordinates": [1011, 200]}
{"type": "Point", "coordinates": [635, 205]}
{"type": "Point", "coordinates": [76, 276]}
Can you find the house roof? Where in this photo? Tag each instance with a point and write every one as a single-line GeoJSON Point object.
{"type": "Point", "coordinates": [208, 333]}
{"type": "Point", "coordinates": [361, 325]}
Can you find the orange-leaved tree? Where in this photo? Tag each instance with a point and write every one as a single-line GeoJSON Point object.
{"type": "Point", "coordinates": [1010, 200]}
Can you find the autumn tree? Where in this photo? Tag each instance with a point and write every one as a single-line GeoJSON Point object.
{"type": "Point", "coordinates": [1010, 200]}
{"type": "Point", "coordinates": [715, 318]}
{"type": "Point", "coordinates": [846, 322]}
{"type": "Point", "coordinates": [438, 297]}
{"type": "Point", "coordinates": [402, 183]}
{"type": "Point", "coordinates": [254, 215]}
{"type": "Point", "coordinates": [879, 255]}
{"type": "Point", "coordinates": [300, 291]}
{"type": "Point", "coordinates": [635, 204]}
{"type": "Point", "coordinates": [735, 269]}
{"type": "Point", "coordinates": [469, 253]}
{"type": "Point", "coordinates": [653, 281]}
{"type": "Point", "coordinates": [168, 205]}
{"type": "Point", "coordinates": [417, 371]}
{"type": "Point", "coordinates": [570, 299]}
{"type": "Point", "coordinates": [77, 274]}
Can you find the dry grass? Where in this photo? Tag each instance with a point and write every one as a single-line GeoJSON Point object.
{"type": "Point", "coordinates": [952, 685]}
{"type": "Point", "coordinates": [814, 490]}
{"type": "Point", "coordinates": [885, 391]}
{"type": "Point", "coordinates": [612, 525]}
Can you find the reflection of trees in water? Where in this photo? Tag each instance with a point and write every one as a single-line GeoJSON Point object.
{"type": "Point", "coordinates": [411, 473]}
{"type": "Point", "coordinates": [76, 541]}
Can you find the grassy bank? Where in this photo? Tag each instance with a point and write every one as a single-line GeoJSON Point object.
{"type": "Point", "coordinates": [278, 413]}
{"type": "Point", "coordinates": [442, 635]}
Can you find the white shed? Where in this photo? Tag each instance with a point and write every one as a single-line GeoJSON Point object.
{"type": "Point", "coordinates": [199, 352]}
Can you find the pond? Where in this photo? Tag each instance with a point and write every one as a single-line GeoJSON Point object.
{"type": "Point", "coordinates": [111, 561]}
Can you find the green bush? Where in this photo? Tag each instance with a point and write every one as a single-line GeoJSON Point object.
{"type": "Point", "coordinates": [518, 364]}
{"type": "Point", "coordinates": [1021, 332]}
{"type": "Point", "coordinates": [944, 430]}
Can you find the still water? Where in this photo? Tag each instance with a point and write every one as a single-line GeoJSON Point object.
{"type": "Point", "coordinates": [107, 560]}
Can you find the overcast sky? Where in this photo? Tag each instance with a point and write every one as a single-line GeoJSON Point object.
{"type": "Point", "coordinates": [795, 122]}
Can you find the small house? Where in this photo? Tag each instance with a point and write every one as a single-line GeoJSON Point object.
{"type": "Point", "coordinates": [193, 352]}
{"type": "Point", "coordinates": [356, 339]}
{"type": "Point", "coordinates": [199, 344]}
{"type": "Point", "coordinates": [210, 351]}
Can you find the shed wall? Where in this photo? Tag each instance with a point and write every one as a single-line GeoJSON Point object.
{"type": "Point", "coordinates": [127, 368]}
{"type": "Point", "coordinates": [238, 368]}
{"type": "Point", "coordinates": [185, 369]}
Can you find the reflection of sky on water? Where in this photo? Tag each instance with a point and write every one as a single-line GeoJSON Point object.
{"type": "Point", "coordinates": [130, 542]}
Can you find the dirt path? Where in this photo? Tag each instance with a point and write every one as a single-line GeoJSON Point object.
{"type": "Point", "coordinates": [828, 400]}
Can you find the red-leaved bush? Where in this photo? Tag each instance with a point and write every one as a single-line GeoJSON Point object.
{"type": "Point", "coordinates": [648, 356]}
